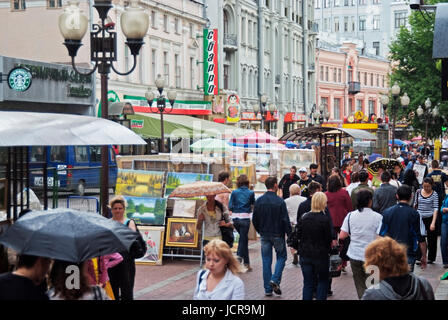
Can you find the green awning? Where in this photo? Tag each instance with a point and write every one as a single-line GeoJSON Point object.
{"type": "Point", "coordinates": [149, 127]}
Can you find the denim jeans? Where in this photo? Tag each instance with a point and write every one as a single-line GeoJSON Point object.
{"type": "Point", "coordinates": [411, 261]}
{"type": "Point", "coordinates": [444, 242]}
{"type": "Point", "coordinates": [279, 244]}
{"type": "Point", "coordinates": [311, 269]}
{"type": "Point", "coordinates": [242, 226]}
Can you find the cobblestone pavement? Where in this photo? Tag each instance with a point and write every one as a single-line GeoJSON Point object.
{"type": "Point", "coordinates": [175, 280]}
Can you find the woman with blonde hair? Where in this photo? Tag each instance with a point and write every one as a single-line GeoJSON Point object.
{"type": "Point", "coordinates": [314, 230]}
{"type": "Point", "coordinates": [219, 281]}
{"type": "Point", "coordinates": [388, 257]}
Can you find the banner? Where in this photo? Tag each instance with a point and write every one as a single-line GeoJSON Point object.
{"type": "Point", "coordinates": [210, 62]}
{"type": "Point", "coordinates": [233, 108]}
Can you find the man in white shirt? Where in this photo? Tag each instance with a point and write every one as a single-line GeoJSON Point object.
{"type": "Point", "coordinates": [292, 205]}
{"type": "Point", "coordinates": [445, 142]}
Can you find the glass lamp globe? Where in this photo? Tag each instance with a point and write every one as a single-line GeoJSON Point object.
{"type": "Point", "coordinates": [420, 111]}
{"type": "Point", "coordinates": [395, 89]}
{"type": "Point", "coordinates": [428, 103]}
{"type": "Point", "coordinates": [405, 100]}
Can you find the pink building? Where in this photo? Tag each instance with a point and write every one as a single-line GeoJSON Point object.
{"type": "Point", "coordinates": [349, 81]}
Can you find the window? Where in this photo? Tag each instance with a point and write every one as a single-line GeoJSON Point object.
{"type": "Point", "coordinates": [37, 154]}
{"type": "Point", "coordinates": [376, 22]}
{"type": "Point", "coordinates": [58, 154]}
{"type": "Point", "coordinates": [336, 3]}
{"type": "Point", "coordinates": [359, 76]}
{"type": "Point", "coordinates": [243, 30]}
{"type": "Point", "coordinates": [81, 154]}
{"type": "Point", "coordinates": [350, 75]}
{"type": "Point", "coordinates": [365, 78]}
{"type": "Point", "coordinates": [350, 105]}
{"type": "Point", "coordinates": [324, 101]}
{"type": "Point", "coordinates": [376, 1]}
{"type": "Point", "coordinates": [362, 2]}
{"type": "Point", "coordinates": [177, 70]}
{"type": "Point", "coordinates": [95, 153]}
{"type": "Point", "coordinates": [362, 23]}
{"type": "Point", "coordinates": [321, 73]}
{"type": "Point", "coordinates": [19, 5]}
{"type": "Point", "coordinates": [176, 25]}
{"type": "Point", "coordinates": [346, 3]}
{"type": "Point", "coordinates": [345, 24]}
{"type": "Point", "coordinates": [371, 107]}
{"type": "Point", "coordinates": [325, 24]}
{"type": "Point", "coordinates": [226, 77]}
{"type": "Point", "coordinates": [191, 73]}
{"type": "Point", "coordinates": [376, 46]}
{"type": "Point", "coordinates": [165, 23]}
{"type": "Point", "coordinates": [340, 75]}
{"type": "Point", "coordinates": [166, 68]}
{"type": "Point", "coordinates": [326, 73]}
{"type": "Point", "coordinates": [358, 105]}
{"type": "Point", "coordinates": [337, 108]}
{"type": "Point", "coordinates": [377, 80]}
{"type": "Point", "coordinates": [249, 32]}
{"type": "Point", "coordinates": [153, 64]}
{"type": "Point", "coordinates": [382, 81]}
{"type": "Point", "coordinates": [153, 19]}
{"type": "Point", "coordinates": [336, 24]}
{"type": "Point", "coordinates": [400, 19]}
{"type": "Point", "coordinates": [268, 4]}
{"type": "Point", "coordinates": [191, 30]}
{"type": "Point", "coordinates": [54, 3]}
{"type": "Point", "coordinates": [353, 24]}
{"type": "Point", "coordinates": [255, 35]}
{"type": "Point", "coordinates": [353, 2]}
{"type": "Point", "coordinates": [335, 74]}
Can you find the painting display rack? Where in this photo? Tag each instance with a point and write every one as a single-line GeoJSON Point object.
{"type": "Point", "coordinates": [186, 253]}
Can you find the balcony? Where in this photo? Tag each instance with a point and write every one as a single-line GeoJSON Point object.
{"type": "Point", "coordinates": [230, 42]}
{"type": "Point", "coordinates": [277, 79]}
{"type": "Point", "coordinates": [354, 87]}
{"type": "Point", "coordinates": [314, 27]}
{"type": "Point", "coordinates": [311, 68]}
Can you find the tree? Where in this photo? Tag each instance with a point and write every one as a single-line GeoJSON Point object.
{"type": "Point", "coordinates": [416, 71]}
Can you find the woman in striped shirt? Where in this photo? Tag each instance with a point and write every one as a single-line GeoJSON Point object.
{"type": "Point", "coordinates": [427, 204]}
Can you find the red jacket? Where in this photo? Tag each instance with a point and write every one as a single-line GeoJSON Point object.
{"type": "Point", "coordinates": [339, 204]}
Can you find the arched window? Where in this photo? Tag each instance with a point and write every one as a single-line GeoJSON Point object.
{"type": "Point", "coordinates": [226, 22]}
{"type": "Point", "coordinates": [244, 83]}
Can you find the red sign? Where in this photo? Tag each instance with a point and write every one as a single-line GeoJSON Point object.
{"type": "Point", "coordinates": [248, 116]}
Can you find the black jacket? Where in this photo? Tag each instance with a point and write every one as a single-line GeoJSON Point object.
{"type": "Point", "coordinates": [315, 235]}
{"type": "Point", "coordinates": [320, 179]}
{"type": "Point", "coordinates": [270, 217]}
{"type": "Point", "coordinates": [286, 182]}
{"type": "Point", "coordinates": [305, 207]}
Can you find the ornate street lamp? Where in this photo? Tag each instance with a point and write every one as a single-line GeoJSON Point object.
{"type": "Point", "coordinates": [320, 114]}
{"type": "Point", "coordinates": [263, 100]}
{"type": "Point", "coordinates": [161, 105]}
{"type": "Point", "coordinates": [427, 113]}
{"type": "Point", "coordinates": [103, 52]}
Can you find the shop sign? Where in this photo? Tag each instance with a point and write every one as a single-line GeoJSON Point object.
{"type": "Point", "coordinates": [233, 108]}
{"type": "Point", "coordinates": [80, 92]}
{"type": "Point", "coordinates": [210, 61]}
{"type": "Point", "coordinates": [248, 116]}
{"type": "Point", "coordinates": [300, 117]}
{"type": "Point", "coordinates": [137, 124]}
{"type": "Point", "coordinates": [19, 79]}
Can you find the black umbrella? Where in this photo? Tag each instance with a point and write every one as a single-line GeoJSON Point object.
{"type": "Point", "coordinates": [385, 163]}
{"type": "Point", "coordinates": [67, 234]}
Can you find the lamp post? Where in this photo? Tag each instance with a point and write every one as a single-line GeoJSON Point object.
{"type": "Point", "coordinates": [161, 105]}
{"type": "Point", "coordinates": [103, 52]}
{"type": "Point", "coordinates": [261, 108]}
{"type": "Point", "coordinates": [404, 101]}
{"type": "Point", "coordinates": [427, 113]}
{"type": "Point", "coordinates": [320, 114]}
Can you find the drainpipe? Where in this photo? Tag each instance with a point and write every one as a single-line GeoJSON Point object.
{"type": "Point", "coordinates": [260, 51]}
{"type": "Point", "coordinates": [305, 55]}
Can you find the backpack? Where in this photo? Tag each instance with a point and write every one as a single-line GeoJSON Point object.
{"type": "Point", "coordinates": [138, 247]}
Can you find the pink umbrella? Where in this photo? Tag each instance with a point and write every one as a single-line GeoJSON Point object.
{"type": "Point", "coordinates": [255, 137]}
{"type": "Point", "coordinates": [407, 141]}
{"type": "Point", "coordinates": [417, 138]}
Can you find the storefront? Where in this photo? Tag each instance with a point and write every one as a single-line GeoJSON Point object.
{"type": "Point", "coordinates": [293, 120]}
{"type": "Point", "coordinates": [45, 87]}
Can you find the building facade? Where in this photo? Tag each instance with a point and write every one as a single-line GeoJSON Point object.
{"type": "Point", "coordinates": [371, 24]}
{"type": "Point", "coordinates": [266, 47]}
{"type": "Point", "coordinates": [171, 47]}
{"type": "Point", "coordinates": [349, 81]}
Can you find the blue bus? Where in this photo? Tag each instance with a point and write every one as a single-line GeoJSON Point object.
{"type": "Point", "coordinates": [78, 167]}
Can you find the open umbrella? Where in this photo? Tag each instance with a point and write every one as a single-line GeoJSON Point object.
{"type": "Point", "coordinates": [256, 137]}
{"type": "Point", "coordinates": [199, 188]}
{"type": "Point", "coordinates": [397, 142]}
{"type": "Point", "coordinates": [374, 156]}
{"type": "Point", "coordinates": [385, 163]}
{"type": "Point", "coordinates": [67, 234]}
{"type": "Point", "coordinates": [417, 138]}
{"type": "Point", "coordinates": [211, 145]}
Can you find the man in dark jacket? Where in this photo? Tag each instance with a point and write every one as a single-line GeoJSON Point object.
{"type": "Point", "coordinates": [402, 223]}
{"type": "Point", "coordinates": [317, 177]}
{"type": "Point", "coordinates": [385, 196]}
{"type": "Point", "coordinates": [271, 221]}
{"type": "Point", "coordinates": [287, 181]}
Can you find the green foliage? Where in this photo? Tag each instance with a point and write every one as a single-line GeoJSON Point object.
{"type": "Point", "coordinates": [417, 73]}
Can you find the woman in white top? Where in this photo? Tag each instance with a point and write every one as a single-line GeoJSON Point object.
{"type": "Point", "coordinates": [82, 290]}
{"type": "Point", "coordinates": [292, 205]}
{"type": "Point", "coordinates": [219, 281]}
{"type": "Point", "coordinates": [363, 226]}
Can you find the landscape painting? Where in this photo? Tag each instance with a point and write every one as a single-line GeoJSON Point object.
{"type": "Point", "coordinates": [153, 236]}
{"type": "Point", "coordinates": [176, 179]}
{"type": "Point", "coordinates": [149, 211]}
{"type": "Point", "coordinates": [139, 183]}
{"type": "Point", "coordinates": [184, 208]}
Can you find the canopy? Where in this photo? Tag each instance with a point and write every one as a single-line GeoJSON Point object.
{"type": "Point", "coordinates": [256, 137]}
{"type": "Point", "coordinates": [212, 145]}
{"type": "Point", "coordinates": [192, 127]}
{"type": "Point", "coordinates": [19, 128]}
{"type": "Point", "coordinates": [310, 133]}
{"type": "Point", "coordinates": [149, 127]}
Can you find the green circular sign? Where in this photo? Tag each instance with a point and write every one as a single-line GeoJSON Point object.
{"type": "Point", "coordinates": [19, 79]}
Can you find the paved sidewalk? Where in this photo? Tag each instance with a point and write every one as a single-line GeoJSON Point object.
{"type": "Point", "coordinates": [175, 280]}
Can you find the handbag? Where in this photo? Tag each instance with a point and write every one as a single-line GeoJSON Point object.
{"type": "Point", "coordinates": [293, 238]}
{"type": "Point", "coordinates": [138, 247]}
{"type": "Point", "coordinates": [345, 244]}
{"type": "Point", "coordinates": [227, 233]}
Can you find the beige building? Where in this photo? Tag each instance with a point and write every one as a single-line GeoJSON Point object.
{"type": "Point", "coordinates": [30, 31]}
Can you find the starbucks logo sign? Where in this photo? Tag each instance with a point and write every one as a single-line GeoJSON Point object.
{"type": "Point", "coordinates": [19, 79]}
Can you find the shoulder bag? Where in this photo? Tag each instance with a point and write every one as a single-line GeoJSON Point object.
{"type": "Point", "coordinates": [138, 247]}
{"type": "Point", "coordinates": [226, 232]}
{"type": "Point", "coordinates": [346, 244]}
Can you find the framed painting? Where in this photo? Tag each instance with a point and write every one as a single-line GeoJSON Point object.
{"type": "Point", "coordinates": [238, 169]}
{"type": "Point", "coordinates": [176, 179]}
{"type": "Point", "coordinates": [153, 237]}
{"type": "Point", "coordinates": [181, 232]}
{"type": "Point", "coordinates": [143, 210]}
{"type": "Point", "coordinates": [140, 183]}
{"type": "Point", "coordinates": [184, 208]}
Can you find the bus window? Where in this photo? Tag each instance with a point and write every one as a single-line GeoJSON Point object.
{"type": "Point", "coordinates": [95, 153]}
{"type": "Point", "coordinates": [58, 154]}
{"type": "Point", "coordinates": [81, 154]}
{"type": "Point", "coordinates": [37, 154]}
